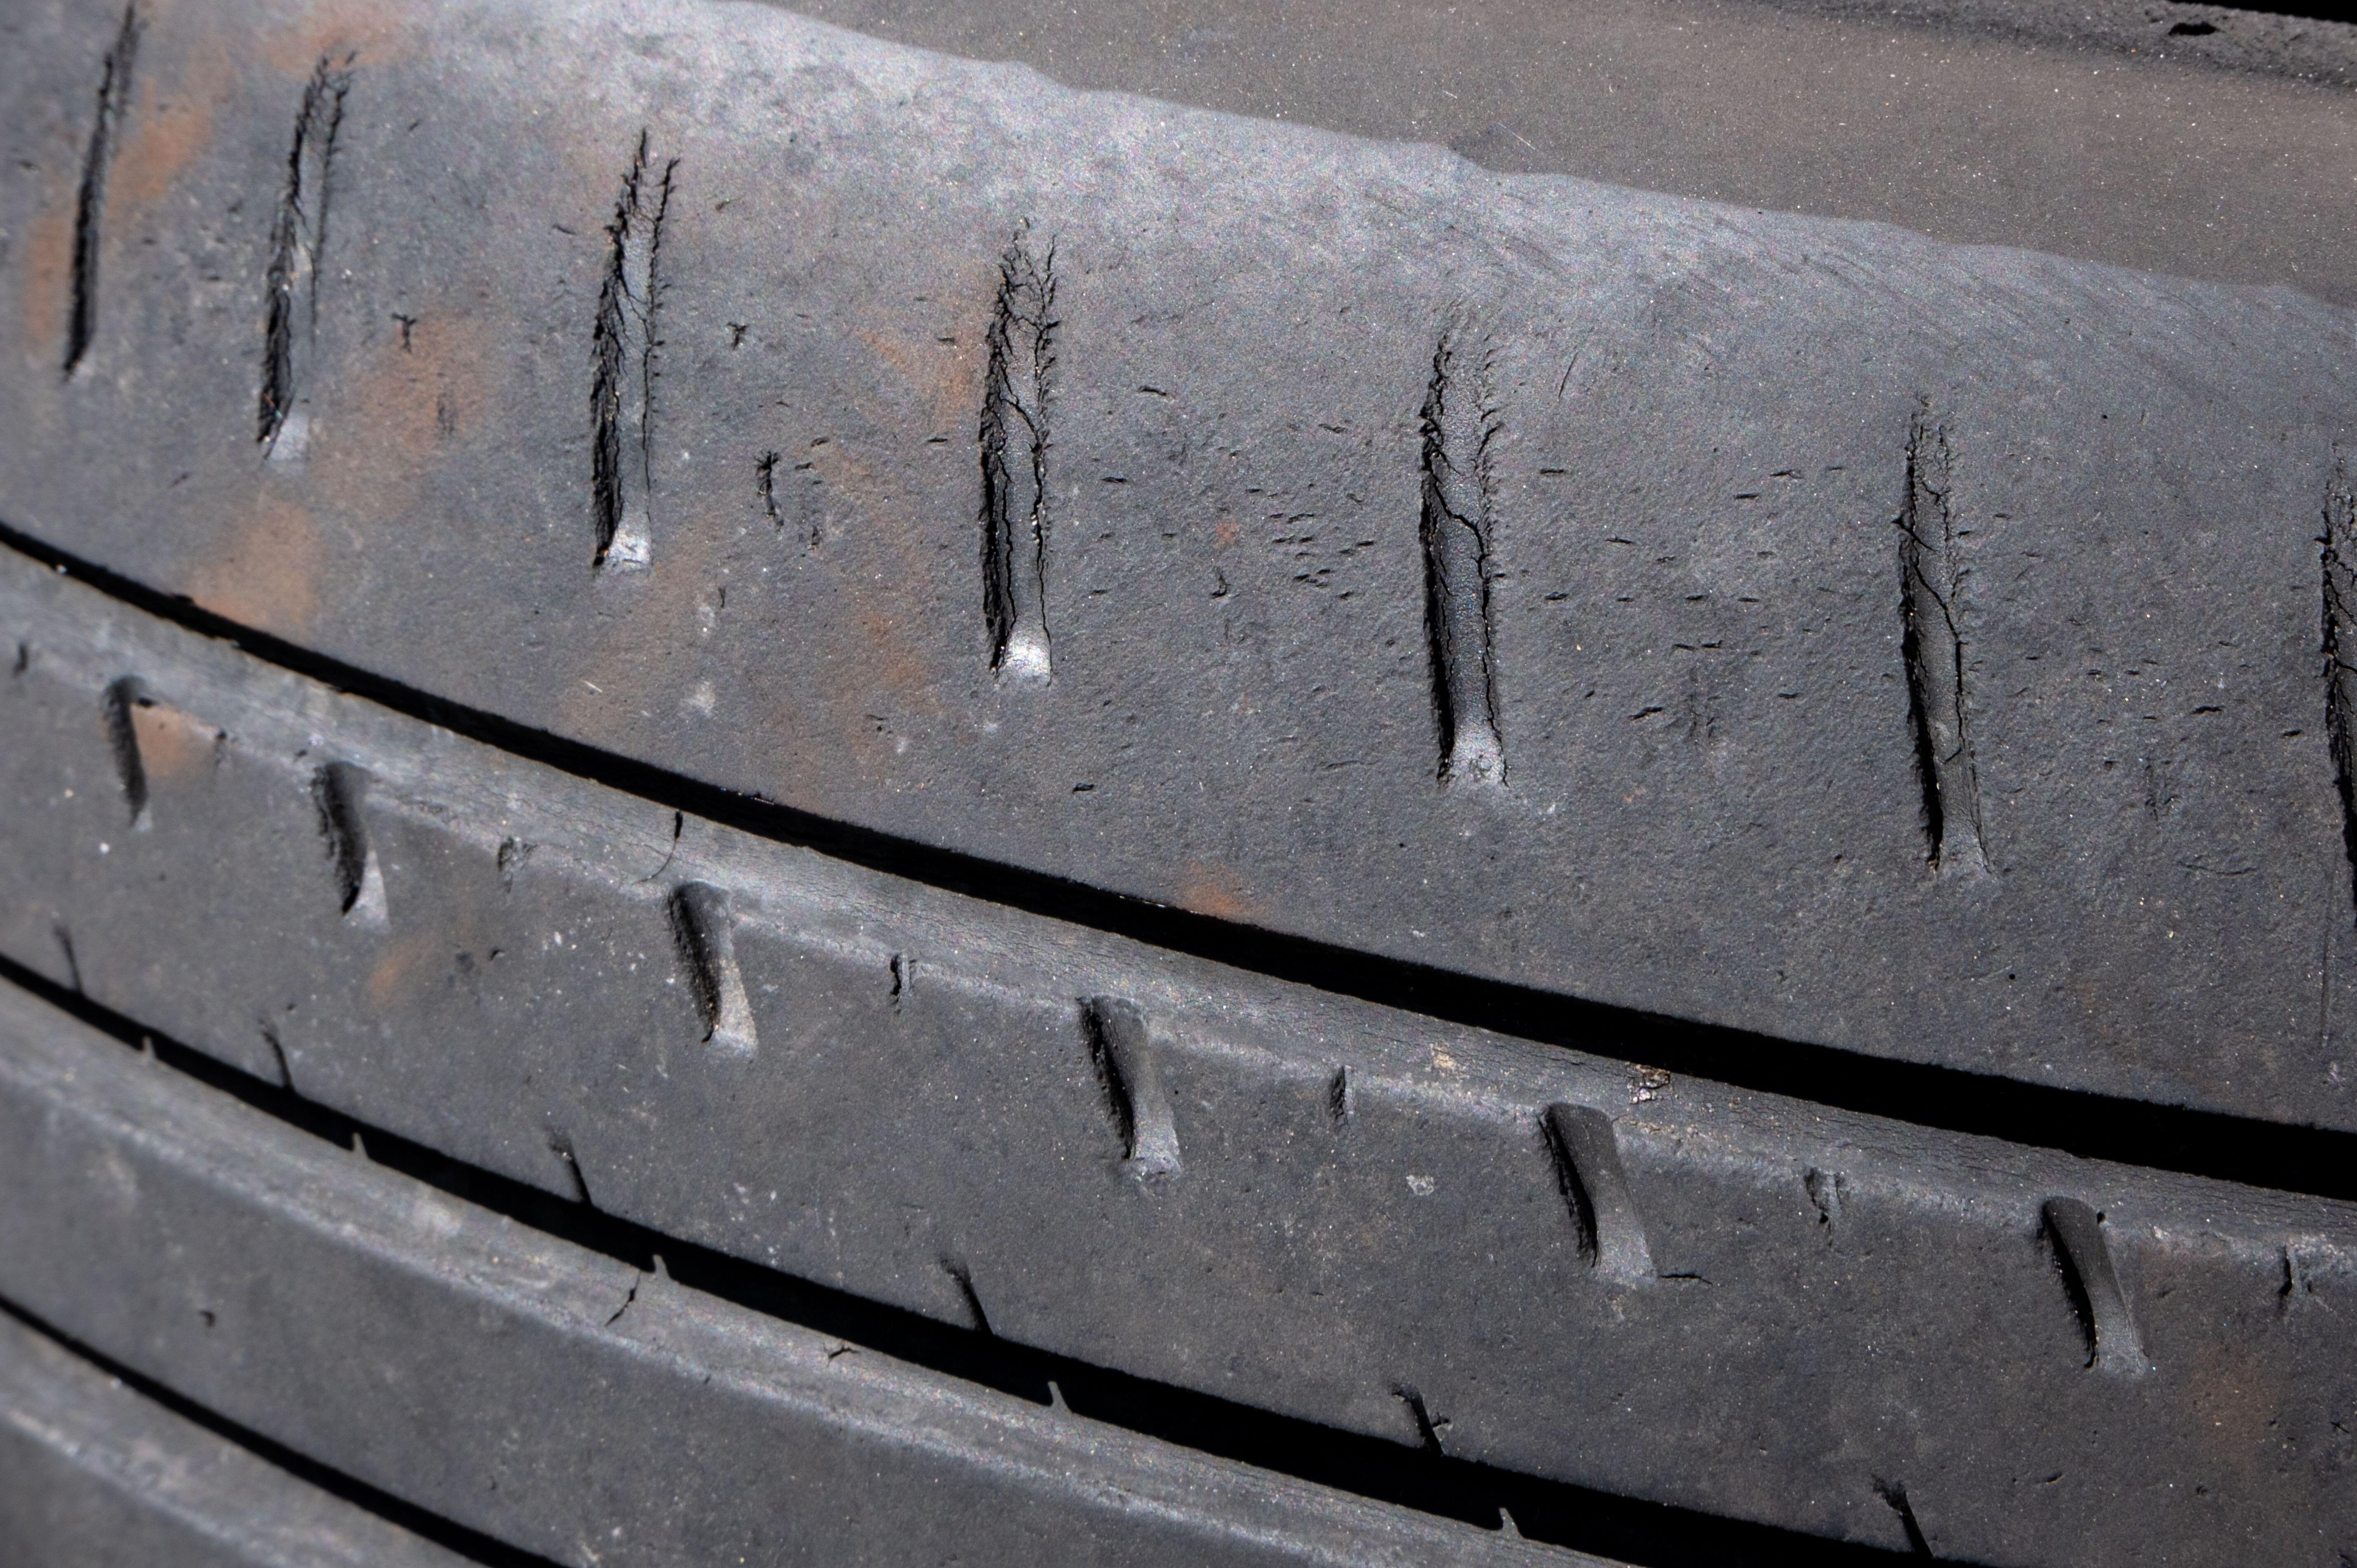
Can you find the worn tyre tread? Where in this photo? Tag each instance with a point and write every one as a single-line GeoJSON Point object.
{"type": "Point", "coordinates": [94, 1474]}
{"type": "Point", "coordinates": [1141, 734]}
{"type": "Point", "coordinates": [1075, 1140]}
{"type": "Point", "coordinates": [771, 305]}
{"type": "Point", "coordinates": [417, 1343]}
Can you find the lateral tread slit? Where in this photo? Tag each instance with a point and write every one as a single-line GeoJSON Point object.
{"type": "Point", "coordinates": [705, 935]}
{"type": "Point", "coordinates": [1014, 441]}
{"type": "Point", "coordinates": [1121, 1046]}
{"type": "Point", "coordinates": [1459, 422]}
{"type": "Point", "coordinates": [2082, 1252]}
{"type": "Point", "coordinates": [1586, 1154]}
{"type": "Point", "coordinates": [1932, 647]}
{"type": "Point", "coordinates": [623, 343]}
{"type": "Point", "coordinates": [90, 201]}
{"type": "Point", "coordinates": [298, 244]}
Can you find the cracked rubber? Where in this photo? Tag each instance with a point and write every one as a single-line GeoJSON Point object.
{"type": "Point", "coordinates": [1543, 1261]}
{"type": "Point", "coordinates": [1136, 733]}
{"type": "Point", "coordinates": [740, 287]}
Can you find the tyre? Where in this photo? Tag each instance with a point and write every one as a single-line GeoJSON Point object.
{"type": "Point", "coordinates": [774, 798]}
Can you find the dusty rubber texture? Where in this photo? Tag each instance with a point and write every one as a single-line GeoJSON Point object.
{"type": "Point", "coordinates": [93, 1475]}
{"type": "Point", "coordinates": [1795, 625]}
{"type": "Point", "coordinates": [2311, 38]}
{"type": "Point", "coordinates": [555, 1399]}
{"type": "Point", "coordinates": [2091, 130]}
{"type": "Point", "coordinates": [1559, 1265]}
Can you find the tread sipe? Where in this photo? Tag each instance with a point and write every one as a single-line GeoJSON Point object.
{"type": "Point", "coordinates": [1792, 625]}
{"type": "Point", "coordinates": [1540, 1260]}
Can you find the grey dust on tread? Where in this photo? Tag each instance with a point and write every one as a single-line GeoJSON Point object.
{"type": "Point", "coordinates": [1634, 560]}
{"type": "Point", "coordinates": [571, 1019]}
{"type": "Point", "coordinates": [2196, 140]}
{"type": "Point", "coordinates": [696, 1428]}
{"type": "Point", "coordinates": [94, 1470]}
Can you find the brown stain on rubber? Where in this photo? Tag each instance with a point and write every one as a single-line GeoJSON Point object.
{"type": "Point", "coordinates": [172, 126]}
{"type": "Point", "coordinates": [47, 266]}
{"type": "Point", "coordinates": [173, 747]}
{"type": "Point", "coordinates": [2237, 1411]}
{"type": "Point", "coordinates": [401, 972]}
{"type": "Point", "coordinates": [946, 372]}
{"type": "Point", "coordinates": [1207, 887]}
{"type": "Point", "coordinates": [379, 32]}
{"type": "Point", "coordinates": [896, 662]}
{"type": "Point", "coordinates": [650, 650]}
{"type": "Point", "coordinates": [945, 377]}
{"type": "Point", "coordinates": [447, 963]}
{"type": "Point", "coordinates": [266, 573]}
{"type": "Point", "coordinates": [879, 499]}
{"type": "Point", "coordinates": [411, 397]}
{"type": "Point", "coordinates": [837, 730]}
{"type": "Point", "coordinates": [394, 413]}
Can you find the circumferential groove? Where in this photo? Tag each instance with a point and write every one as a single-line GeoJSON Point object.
{"type": "Point", "coordinates": [1013, 438]}
{"type": "Point", "coordinates": [1586, 1154]}
{"type": "Point", "coordinates": [621, 395]}
{"type": "Point", "coordinates": [2340, 614]}
{"type": "Point", "coordinates": [1121, 1049]}
{"type": "Point", "coordinates": [1459, 424]}
{"type": "Point", "coordinates": [705, 935]}
{"type": "Point", "coordinates": [338, 790]}
{"type": "Point", "coordinates": [118, 705]}
{"type": "Point", "coordinates": [299, 241]}
{"type": "Point", "coordinates": [1931, 577]}
{"type": "Point", "coordinates": [89, 203]}
{"type": "Point", "coordinates": [2084, 1254]}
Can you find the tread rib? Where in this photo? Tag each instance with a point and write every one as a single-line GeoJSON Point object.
{"type": "Point", "coordinates": [94, 1474]}
{"type": "Point", "coordinates": [418, 1343]}
{"type": "Point", "coordinates": [1674, 474]}
{"type": "Point", "coordinates": [542, 984]}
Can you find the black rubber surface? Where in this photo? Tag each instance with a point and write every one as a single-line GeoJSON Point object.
{"type": "Point", "coordinates": [2204, 141]}
{"type": "Point", "coordinates": [1676, 441]}
{"type": "Point", "coordinates": [96, 1474]}
{"type": "Point", "coordinates": [1582, 1268]}
{"type": "Point", "coordinates": [1244, 844]}
{"type": "Point", "coordinates": [555, 1398]}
